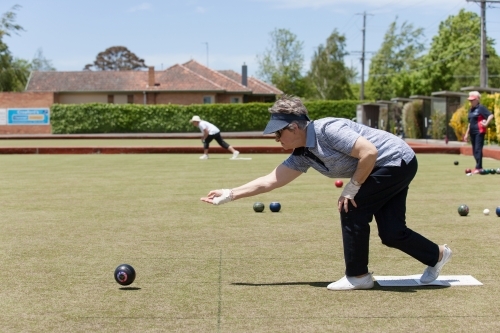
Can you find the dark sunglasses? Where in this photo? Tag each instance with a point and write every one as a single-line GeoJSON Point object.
{"type": "Point", "coordinates": [277, 134]}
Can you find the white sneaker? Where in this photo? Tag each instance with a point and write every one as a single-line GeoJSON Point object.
{"type": "Point", "coordinates": [432, 273]}
{"type": "Point", "coordinates": [235, 154]}
{"type": "Point", "coordinates": [352, 283]}
{"type": "Point", "coordinates": [204, 157]}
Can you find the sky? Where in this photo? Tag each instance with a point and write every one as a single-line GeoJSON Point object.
{"type": "Point", "coordinates": [222, 34]}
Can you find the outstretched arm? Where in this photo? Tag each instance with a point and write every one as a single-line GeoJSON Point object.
{"type": "Point", "coordinates": [279, 177]}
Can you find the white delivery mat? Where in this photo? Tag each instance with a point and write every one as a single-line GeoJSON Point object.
{"type": "Point", "coordinates": [414, 281]}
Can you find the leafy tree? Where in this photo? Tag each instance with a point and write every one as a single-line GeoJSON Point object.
{"type": "Point", "coordinates": [328, 74]}
{"type": "Point", "coordinates": [282, 63]}
{"type": "Point", "coordinates": [397, 55]}
{"type": "Point", "coordinates": [40, 63]}
{"type": "Point", "coordinates": [453, 60]}
{"type": "Point", "coordinates": [116, 58]}
{"type": "Point", "coordinates": [13, 76]}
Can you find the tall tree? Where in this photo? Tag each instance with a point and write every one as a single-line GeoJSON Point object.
{"type": "Point", "coordinates": [398, 55]}
{"type": "Point", "coordinates": [282, 63]}
{"type": "Point", "coordinates": [454, 56]}
{"type": "Point", "coordinates": [116, 58]}
{"type": "Point", "coordinates": [13, 75]}
{"type": "Point", "coordinates": [328, 74]}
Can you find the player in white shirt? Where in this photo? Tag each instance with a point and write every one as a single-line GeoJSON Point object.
{"type": "Point", "coordinates": [210, 132]}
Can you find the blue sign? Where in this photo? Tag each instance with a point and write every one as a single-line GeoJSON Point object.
{"type": "Point", "coordinates": [28, 116]}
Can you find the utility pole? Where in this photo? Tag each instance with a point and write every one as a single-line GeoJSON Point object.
{"type": "Point", "coordinates": [206, 43]}
{"type": "Point", "coordinates": [483, 74]}
{"type": "Point", "coordinates": [362, 89]}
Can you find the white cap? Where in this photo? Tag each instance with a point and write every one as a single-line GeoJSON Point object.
{"type": "Point", "coordinates": [195, 118]}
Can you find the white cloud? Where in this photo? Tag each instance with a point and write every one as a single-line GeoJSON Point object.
{"type": "Point", "coordinates": [142, 6]}
{"type": "Point", "coordinates": [200, 9]}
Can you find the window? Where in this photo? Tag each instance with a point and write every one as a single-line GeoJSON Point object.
{"type": "Point", "coordinates": [111, 99]}
{"type": "Point", "coordinates": [207, 100]}
{"type": "Point", "coordinates": [235, 100]}
{"type": "Point", "coordinates": [130, 99]}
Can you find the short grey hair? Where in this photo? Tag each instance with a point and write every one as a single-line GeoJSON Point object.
{"type": "Point", "coordinates": [289, 104]}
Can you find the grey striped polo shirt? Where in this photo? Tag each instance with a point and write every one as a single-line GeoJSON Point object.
{"type": "Point", "coordinates": [332, 140]}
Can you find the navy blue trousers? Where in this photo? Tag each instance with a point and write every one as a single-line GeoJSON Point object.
{"type": "Point", "coordinates": [383, 195]}
{"type": "Point", "coordinates": [477, 141]}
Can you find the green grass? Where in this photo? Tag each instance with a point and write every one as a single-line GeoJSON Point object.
{"type": "Point", "coordinates": [68, 220]}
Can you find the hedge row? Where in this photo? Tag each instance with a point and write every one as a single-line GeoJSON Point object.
{"type": "Point", "coordinates": [137, 118]}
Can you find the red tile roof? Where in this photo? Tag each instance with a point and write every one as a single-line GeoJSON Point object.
{"type": "Point", "coordinates": [191, 76]}
{"type": "Point", "coordinates": [216, 77]}
{"type": "Point", "coordinates": [181, 78]}
{"type": "Point", "coordinates": [87, 81]}
{"type": "Point", "coordinates": [257, 86]}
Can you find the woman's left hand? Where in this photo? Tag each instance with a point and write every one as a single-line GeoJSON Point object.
{"type": "Point", "coordinates": [344, 202]}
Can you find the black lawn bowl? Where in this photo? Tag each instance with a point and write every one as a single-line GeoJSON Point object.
{"type": "Point", "coordinates": [125, 274]}
{"type": "Point", "coordinates": [456, 162]}
{"type": "Point", "coordinates": [258, 207]}
{"type": "Point", "coordinates": [463, 210]}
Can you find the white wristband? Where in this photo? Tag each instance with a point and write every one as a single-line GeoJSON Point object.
{"type": "Point", "coordinates": [226, 196]}
{"type": "Point", "coordinates": [350, 190]}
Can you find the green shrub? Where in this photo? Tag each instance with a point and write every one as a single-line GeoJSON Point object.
{"type": "Point", "coordinates": [169, 118]}
{"type": "Point", "coordinates": [412, 118]}
{"type": "Point", "coordinates": [438, 125]}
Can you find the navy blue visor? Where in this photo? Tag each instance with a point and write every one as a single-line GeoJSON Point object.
{"type": "Point", "coordinates": [279, 121]}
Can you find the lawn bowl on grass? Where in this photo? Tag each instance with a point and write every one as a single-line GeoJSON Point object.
{"type": "Point", "coordinates": [275, 207]}
{"type": "Point", "coordinates": [463, 210]}
{"type": "Point", "coordinates": [258, 207]}
{"type": "Point", "coordinates": [124, 274]}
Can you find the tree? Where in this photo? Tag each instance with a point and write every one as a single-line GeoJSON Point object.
{"type": "Point", "coordinates": [116, 58]}
{"type": "Point", "coordinates": [329, 76]}
{"type": "Point", "coordinates": [282, 63]}
{"type": "Point", "coordinates": [389, 74]}
{"type": "Point", "coordinates": [454, 56]}
{"type": "Point", "coordinates": [40, 63]}
{"type": "Point", "coordinates": [13, 75]}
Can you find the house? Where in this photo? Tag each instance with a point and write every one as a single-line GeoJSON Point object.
{"type": "Point", "coordinates": [189, 83]}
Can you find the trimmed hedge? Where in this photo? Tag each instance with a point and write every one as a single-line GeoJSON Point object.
{"type": "Point", "coordinates": [169, 118]}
